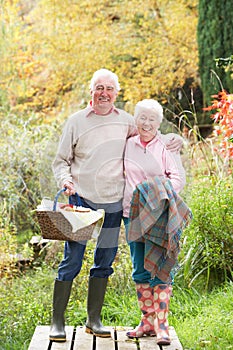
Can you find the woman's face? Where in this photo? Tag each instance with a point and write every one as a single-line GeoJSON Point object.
{"type": "Point", "coordinates": [147, 124]}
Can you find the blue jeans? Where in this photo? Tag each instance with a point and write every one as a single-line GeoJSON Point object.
{"type": "Point", "coordinates": [106, 246]}
{"type": "Point", "coordinates": [137, 253]}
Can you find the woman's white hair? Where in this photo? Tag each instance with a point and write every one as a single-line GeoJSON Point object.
{"type": "Point", "coordinates": [104, 73]}
{"type": "Point", "coordinates": [149, 105]}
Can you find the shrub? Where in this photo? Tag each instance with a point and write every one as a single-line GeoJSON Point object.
{"type": "Point", "coordinates": [22, 145]}
{"type": "Point", "coordinates": [207, 254]}
{"type": "Point", "coordinates": [223, 107]}
{"type": "Point", "coordinates": [8, 246]}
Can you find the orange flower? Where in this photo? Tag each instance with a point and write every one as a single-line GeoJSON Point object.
{"type": "Point", "coordinates": [223, 104]}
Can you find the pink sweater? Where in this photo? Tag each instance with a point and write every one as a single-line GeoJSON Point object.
{"type": "Point", "coordinates": [142, 163]}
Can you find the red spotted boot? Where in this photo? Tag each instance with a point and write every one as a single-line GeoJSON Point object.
{"type": "Point", "coordinates": [145, 301]}
{"type": "Point", "coordinates": [162, 294]}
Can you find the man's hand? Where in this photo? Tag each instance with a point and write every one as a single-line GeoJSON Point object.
{"type": "Point", "coordinates": [174, 142]}
{"type": "Point", "coordinates": [69, 188]}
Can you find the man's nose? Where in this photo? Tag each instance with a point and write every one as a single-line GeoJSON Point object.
{"type": "Point", "coordinates": [104, 92]}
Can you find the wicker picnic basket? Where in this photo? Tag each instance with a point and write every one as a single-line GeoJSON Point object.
{"type": "Point", "coordinates": [55, 226]}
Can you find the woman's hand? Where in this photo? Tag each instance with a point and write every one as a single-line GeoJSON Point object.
{"type": "Point", "coordinates": [69, 188]}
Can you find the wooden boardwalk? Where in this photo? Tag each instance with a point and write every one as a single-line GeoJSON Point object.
{"type": "Point", "coordinates": [77, 339]}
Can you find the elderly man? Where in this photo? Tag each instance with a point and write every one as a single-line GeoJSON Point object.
{"type": "Point", "coordinates": [89, 161]}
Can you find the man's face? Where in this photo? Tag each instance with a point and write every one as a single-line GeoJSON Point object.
{"type": "Point", "coordinates": [103, 95]}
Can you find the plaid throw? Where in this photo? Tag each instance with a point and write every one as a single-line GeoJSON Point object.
{"type": "Point", "coordinates": [157, 217]}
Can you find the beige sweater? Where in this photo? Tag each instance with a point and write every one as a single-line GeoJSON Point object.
{"type": "Point", "coordinates": [90, 154]}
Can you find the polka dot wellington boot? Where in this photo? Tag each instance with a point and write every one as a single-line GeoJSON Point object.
{"type": "Point", "coordinates": [145, 301]}
{"type": "Point", "coordinates": [162, 294]}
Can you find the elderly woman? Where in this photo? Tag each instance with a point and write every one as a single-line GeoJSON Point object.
{"type": "Point", "coordinates": [153, 176]}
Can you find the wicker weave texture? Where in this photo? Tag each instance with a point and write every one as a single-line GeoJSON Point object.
{"type": "Point", "coordinates": [55, 226]}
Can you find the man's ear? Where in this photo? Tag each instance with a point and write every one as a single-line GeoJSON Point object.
{"type": "Point", "coordinates": [116, 95]}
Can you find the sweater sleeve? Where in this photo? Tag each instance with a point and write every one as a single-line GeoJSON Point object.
{"type": "Point", "coordinates": [173, 142]}
{"type": "Point", "coordinates": [132, 129]}
{"type": "Point", "coordinates": [174, 170]}
{"type": "Point", "coordinates": [61, 165]}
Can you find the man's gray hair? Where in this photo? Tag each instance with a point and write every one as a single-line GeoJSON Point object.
{"type": "Point", "coordinates": [104, 73]}
{"type": "Point", "coordinates": [149, 105]}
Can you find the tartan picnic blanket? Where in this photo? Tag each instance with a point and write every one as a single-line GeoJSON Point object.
{"type": "Point", "coordinates": [157, 217]}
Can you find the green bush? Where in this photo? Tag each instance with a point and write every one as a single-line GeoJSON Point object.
{"type": "Point", "coordinates": [23, 144]}
{"type": "Point", "coordinates": [8, 246]}
{"type": "Point", "coordinates": [207, 250]}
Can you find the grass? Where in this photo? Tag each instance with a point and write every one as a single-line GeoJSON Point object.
{"type": "Point", "coordinates": [202, 320]}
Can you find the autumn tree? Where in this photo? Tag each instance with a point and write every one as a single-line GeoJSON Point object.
{"type": "Point", "coordinates": [52, 48]}
{"type": "Point", "coordinates": [215, 31]}
{"type": "Point", "coordinates": [49, 51]}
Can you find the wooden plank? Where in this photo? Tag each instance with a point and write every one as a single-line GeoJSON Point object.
{"type": "Point", "coordinates": [83, 340]}
{"type": "Point", "coordinates": [106, 343]}
{"type": "Point", "coordinates": [175, 343]}
{"type": "Point", "coordinates": [40, 339]}
{"type": "Point", "coordinates": [66, 345]}
{"type": "Point", "coordinates": [148, 343]}
{"type": "Point", "coordinates": [123, 342]}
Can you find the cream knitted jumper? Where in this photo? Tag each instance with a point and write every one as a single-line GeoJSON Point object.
{"type": "Point", "coordinates": [90, 154]}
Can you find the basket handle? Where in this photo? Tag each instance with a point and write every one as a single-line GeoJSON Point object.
{"type": "Point", "coordinates": [58, 195]}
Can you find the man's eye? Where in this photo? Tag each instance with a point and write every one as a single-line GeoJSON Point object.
{"type": "Point", "coordinates": [109, 88]}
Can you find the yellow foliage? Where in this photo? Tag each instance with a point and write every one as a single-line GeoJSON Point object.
{"type": "Point", "coordinates": [8, 246]}
{"type": "Point", "coordinates": [50, 49]}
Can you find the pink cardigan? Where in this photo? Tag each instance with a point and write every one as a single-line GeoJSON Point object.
{"type": "Point", "coordinates": [143, 163]}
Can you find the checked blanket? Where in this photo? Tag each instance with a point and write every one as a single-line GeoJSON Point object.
{"type": "Point", "coordinates": [157, 217]}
